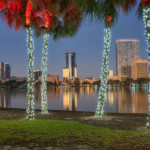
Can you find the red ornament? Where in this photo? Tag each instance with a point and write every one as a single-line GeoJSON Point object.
{"type": "Point", "coordinates": [109, 18]}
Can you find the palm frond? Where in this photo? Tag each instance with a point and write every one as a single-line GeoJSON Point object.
{"type": "Point", "coordinates": [139, 11]}
{"type": "Point", "coordinates": [128, 5]}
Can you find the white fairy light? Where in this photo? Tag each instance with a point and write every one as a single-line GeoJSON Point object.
{"type": "Point", "coordinates": [146, 15]}
{"type": "Point", "coordinates": [30, 88]}
{"type": "Point", "coordinates": [44, 75]}
{"type": "Point", "coordinates": [102, 90]}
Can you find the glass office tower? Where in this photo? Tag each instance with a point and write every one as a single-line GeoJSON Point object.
{"type": "Point", "coordinates": [126, 52]}
{"type": "Point", "coordinates": [1, 70]}
{"type": "Point", "coordinates": [71, 63]}
{"type": "Point", "coordinates": [70, 71]}
{"type": "Point", "coordinates": [7, 70]}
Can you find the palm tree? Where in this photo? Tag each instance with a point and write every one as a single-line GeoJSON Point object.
{"type": "Point", "coordinates": [32, 21]}
{"type": "Point", "coordinates": [16, 14]}
{"type": "Point", "coordinates": [30, 45]}
{"type": "Point", "coordinates": [58, 29]}
{"type": "Point", "coordinates": [107, 12]}
{"type": "Point", "coordinates": [143, 12]}
{"type": "Point", "coordinates": [51, 21]}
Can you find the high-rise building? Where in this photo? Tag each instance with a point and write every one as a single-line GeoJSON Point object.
{"type": "Point", "coordinates": [139, 69]}
{"type": "Point", "coordinates": [70, 71]}
{"type": "Point", "coordinates": [37, 74]}
{"type": "Point", "coordinates": [7, 70]}
{"type": "Point", "coordinates": [1, 70]}
{"type": "Point", "coordinates": [126, 52]}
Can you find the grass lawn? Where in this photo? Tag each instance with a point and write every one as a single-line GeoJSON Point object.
{"type": "Point", "coordinates": [68, 133]}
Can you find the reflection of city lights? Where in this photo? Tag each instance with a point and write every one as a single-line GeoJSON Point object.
{"type": "Point", "coordinates": [133, 89]}
{"type": "Point", "coordinates": [88, 91]}
{"type": "Point", "coordinates": [133, 108]}
{"type": "Point", "coordinates": [5, 98]}
{"type": "Point", "coordinates": [95, 87]}
{"type": "Point", "coordinates": [69, 100]}
{"type": "Point", "coordinates": [110, 98]}
{"type": "Point", "coordinates": [4, 102]}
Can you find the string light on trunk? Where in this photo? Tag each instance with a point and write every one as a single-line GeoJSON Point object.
{"type": "Point", "coordinates": [146, 19]}
{"type": "Point", "coordinates": [30, 88]}
{"type": "Point", "coordinates": [44, 75]}
{"type": "Point", "coordinates": [103, 85]}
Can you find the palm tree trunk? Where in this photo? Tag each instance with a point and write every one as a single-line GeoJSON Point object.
{"type": "Point", "coordinates": [44, 75]}
{"type": "Point", "coordinates": [103, 85]}
{"type": "Point", "coordinates": [30, 93]}
{"type": "Point", "coordinates": [146, 19]}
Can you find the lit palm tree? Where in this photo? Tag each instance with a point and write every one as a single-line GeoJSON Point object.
{"type": "Point", "coordinates": [33, 20]}
{"type": "Point", "coordinates": [107, 11]}
{"type": "Point", "coordinates": [30, 45]}
{"type": "Point", "coordinates": [143, 12]}
{"type": "Point", "coordinates": [51, 22]}
{"type": "Point", "coordinates": [30, 15]}
{"type": "Point", "coordinates": [16, 14]}
{"type": "Point", "coordinates": [58, 29]}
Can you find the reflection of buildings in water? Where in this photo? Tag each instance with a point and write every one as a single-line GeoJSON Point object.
{"type": "Point", "coordinates": [110, 98]}
{"type": "Point", "coordinates": [87, 90]}
{"type": "Point", "coordinates": [5, 98]}
{"type": "Point", "coordinates": [139, 101]}
{"type": "Point", "coordinates": [132, 101]}
{"type": "Point", "coordinates": [52, 94]}
{"type": "Point", "coordinates": [70, 99]}
{"type": "Point", "coordinates": [37, 96]}
{"type": "Point", "coordinates": [124, 101]}
{"type": "Point", "coordinates": [82, 92]}
{"type": "Point", "coordinates": [90, 92]}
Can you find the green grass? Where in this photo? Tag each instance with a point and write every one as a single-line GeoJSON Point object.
{"type": "Point", "coordinates": [69, 133]}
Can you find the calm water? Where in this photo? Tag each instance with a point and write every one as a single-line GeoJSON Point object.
{"type": "Point", "coordinates": [122, 100]}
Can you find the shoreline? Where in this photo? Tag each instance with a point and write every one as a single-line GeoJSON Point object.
{"type": "Point", "coordinates": [67, 111]}
{"type": "Point", "coordinates": [118, 121]}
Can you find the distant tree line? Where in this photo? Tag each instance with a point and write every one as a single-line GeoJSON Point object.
{"type": "Point", "coordinates": [48, 84]}
{"type": "Point", "coordinates": [12, 83]}
{"type": "Point", "coordinates": [129, 81]}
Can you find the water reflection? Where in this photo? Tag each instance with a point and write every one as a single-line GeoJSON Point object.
{"type": "Point", "coordinates": [5, 98]}
{"type": "Point", "coordinates": [121, 100]}
{"type": "Point", "coordinates": [132, 100]}
{"type": "Point", "coordinates": [70, 99]}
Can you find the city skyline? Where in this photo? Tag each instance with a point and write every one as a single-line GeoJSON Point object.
{"type": "Point", "coordinates": [87, 44]}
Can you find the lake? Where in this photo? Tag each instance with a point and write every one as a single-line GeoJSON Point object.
{"type": "Point", "coordinates": [119, 99]}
